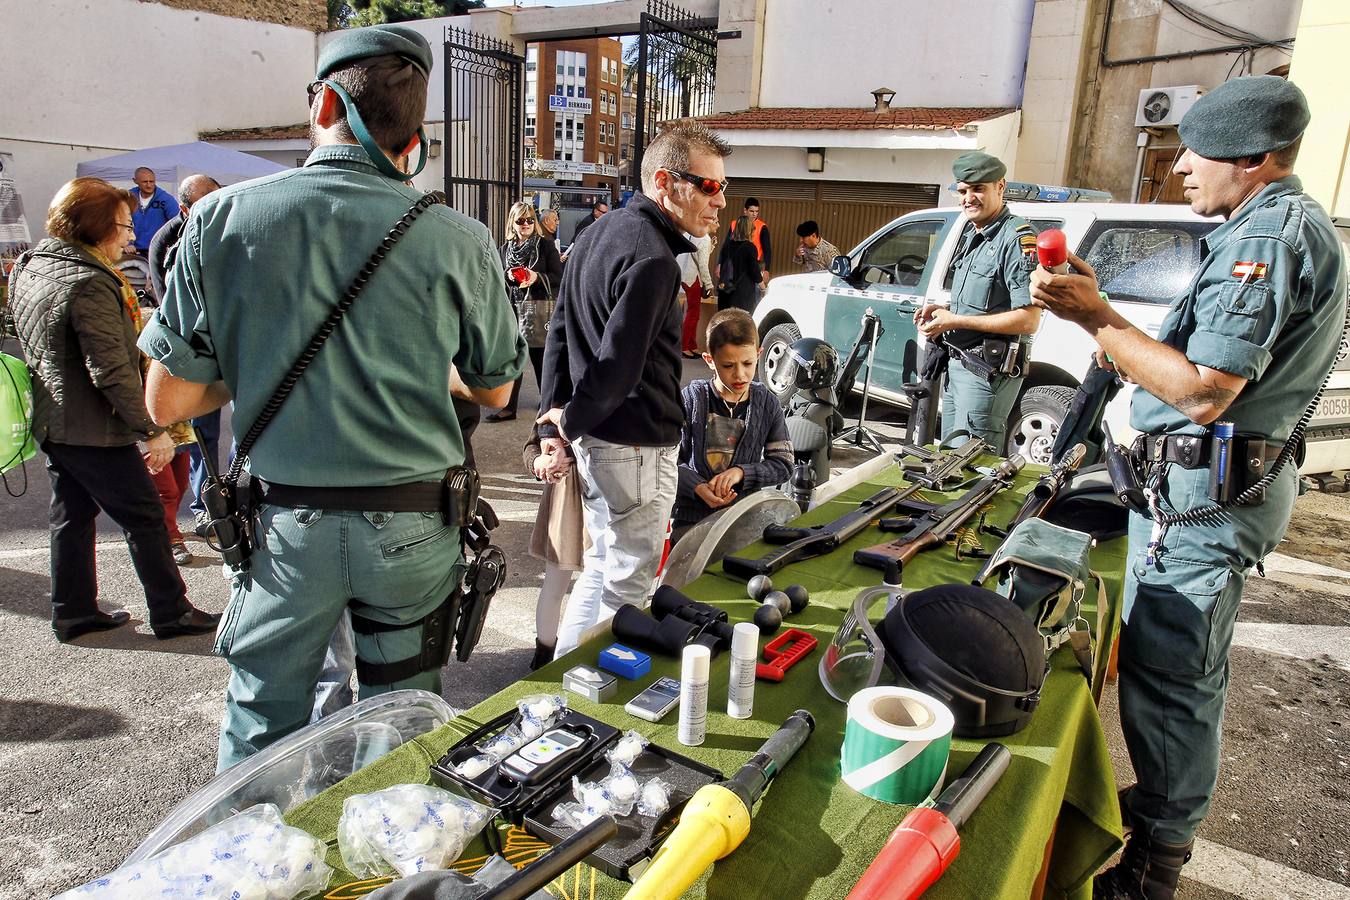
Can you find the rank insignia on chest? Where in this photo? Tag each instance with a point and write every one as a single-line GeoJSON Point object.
{"type": "Point", "coordinates": [1249, 270]}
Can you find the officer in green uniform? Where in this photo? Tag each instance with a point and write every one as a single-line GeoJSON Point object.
{"type": "Point", "coordinates": [991, 313]}
{"type": "Point", "coordinates": [351, 468]}
{"type": "Point", "coordinates": [1249, 343]}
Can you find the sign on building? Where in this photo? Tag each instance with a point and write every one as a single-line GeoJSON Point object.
{"type": "Point", "coordinates": [568, 167]}
{"type": "Point", "coordinates": [569, 104]}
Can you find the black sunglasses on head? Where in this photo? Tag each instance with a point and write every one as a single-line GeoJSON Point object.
{"type": "Point", "coordinates": [710, 186]}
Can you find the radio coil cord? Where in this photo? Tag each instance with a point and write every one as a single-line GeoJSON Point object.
{"type": "Point", "coordinates": [1211, 514]}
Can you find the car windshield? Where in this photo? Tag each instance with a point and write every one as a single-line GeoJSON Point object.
{"type": "Point", "coordinates": [1145, 262]}
{"type": "Point", "coordinates": [901, 256]}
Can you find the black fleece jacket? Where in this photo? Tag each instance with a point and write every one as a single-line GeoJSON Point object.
{"type": "Point", "coordinates": [612, 359]}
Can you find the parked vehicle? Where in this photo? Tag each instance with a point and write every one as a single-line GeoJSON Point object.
{"type": "Point", "coordinates": [1144, 256]}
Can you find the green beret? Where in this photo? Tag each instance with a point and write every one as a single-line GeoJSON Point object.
{"type": "Point", "coordinates": [978, 167]}
{"type": "Point", "coordinates": [378, 40]}
{"type": "Point", "coordinates": [1245, 117]}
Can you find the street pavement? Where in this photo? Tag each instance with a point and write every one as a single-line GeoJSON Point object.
{"type": "Point", "coordinates": [100, 739]}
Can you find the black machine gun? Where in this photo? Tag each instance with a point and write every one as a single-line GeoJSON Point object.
{"type": "Point", "coordinates": [938, 525]}
{"type": "Point", "coordinates": [1040, 497]}
{"type": "Point", "coordinates": [817, 540]}
{"type": "Point", "coordinates": [1083, 424]}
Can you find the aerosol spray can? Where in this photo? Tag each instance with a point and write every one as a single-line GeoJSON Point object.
{"type": "Point", "coordinates": [741, 684]}
{"type": "Point", "coordinates": [694, 694]}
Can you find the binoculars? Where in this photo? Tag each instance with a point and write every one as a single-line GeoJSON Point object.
{"type": "Point", "coordinates": [675, 621]}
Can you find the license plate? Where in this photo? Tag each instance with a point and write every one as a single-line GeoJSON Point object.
{"type": "Point", "coordinates": [1334, 409]}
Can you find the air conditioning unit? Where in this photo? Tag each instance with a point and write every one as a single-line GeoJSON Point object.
{"type": "Point", "coordinates": [1160, 107]}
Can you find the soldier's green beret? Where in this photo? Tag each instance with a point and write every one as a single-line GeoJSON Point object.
{"type": "Point", "coordinates": [977, 167]}
{"type": "Point", "coordinates": [1245, 117]}
{"type": "Point", "coordinates": [379, 40]}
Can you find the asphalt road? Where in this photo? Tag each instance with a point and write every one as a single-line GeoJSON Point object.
{"type": "Point", "coordinates": [101, 739]}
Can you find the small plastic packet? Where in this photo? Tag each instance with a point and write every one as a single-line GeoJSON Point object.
{"type": "Point", "coordinates": [252, 855]}
{"type": "Point", "coordinates": [627, 749]}
{"type": "Point", "coordinates": [622, 787]}
{"type": "Point", "coordinates": [539, 712]}
{"type": "Point", "coordinates": [475, 765]}
{"type": "Point", "coordinates": [405, 829]}
{"type": "Point", "coordinates": [503, 743]}
{"type": "Point", "coordinates": [574, 815]}
{"type": "Point", "coordinates": [653, 798]}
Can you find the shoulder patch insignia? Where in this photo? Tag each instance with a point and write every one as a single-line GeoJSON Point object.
{"type": "Point", "coordinates": [1248, 270]}
{"type": "Point", "coordinates": [1027, 243]}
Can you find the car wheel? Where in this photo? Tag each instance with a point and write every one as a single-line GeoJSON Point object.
{"type": "Point", "coordinates": [775, 369]}
{"type": "Point", "coordinates": [1036, 422]}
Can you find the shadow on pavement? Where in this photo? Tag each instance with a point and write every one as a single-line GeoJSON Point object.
{"type": "Point", "coordinates": [25, 593]}
{"type": "Point", "coordinates": [34, 720]}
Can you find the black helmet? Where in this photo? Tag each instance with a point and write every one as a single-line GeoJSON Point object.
{"type": "Point", "coordinates": [815, 363]}
{"type": "Point", "coordinates": [972, 649]}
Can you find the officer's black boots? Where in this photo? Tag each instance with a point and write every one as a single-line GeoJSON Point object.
{"type": "Point", "coordinates": [1148, 870]}
{"type": "Point", "coordinates": [543, 655]}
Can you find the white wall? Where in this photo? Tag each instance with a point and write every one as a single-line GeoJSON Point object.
{"type": "Point", "coordinates": [83, 80]}
{"type": "Point", "coordinates": [965, 53]}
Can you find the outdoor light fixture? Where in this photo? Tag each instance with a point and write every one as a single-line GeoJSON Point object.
{"type": "Point", "coordinates": [883, 97]}
{"type": "Point", "coordinates": [815, 159]}
{"type": "Point", "coordinates": [434, 148]}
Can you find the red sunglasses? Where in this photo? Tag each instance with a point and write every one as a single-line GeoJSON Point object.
{"type": "Point", "coordinates": [710, 186]}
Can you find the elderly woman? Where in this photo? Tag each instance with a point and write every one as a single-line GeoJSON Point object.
{"type": "Point", "coordinates": [533, 271]}
{"type": "Point", "coordinates": [78, 319]}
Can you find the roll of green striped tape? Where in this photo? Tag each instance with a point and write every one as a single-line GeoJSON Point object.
{"type": "Point", "coordinates": [896, 743]}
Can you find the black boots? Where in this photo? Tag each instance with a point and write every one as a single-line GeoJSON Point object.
{"type": "Point", "coordinates": [543, 655]}
{"type": "Point", "coordinates": [1148, 870]}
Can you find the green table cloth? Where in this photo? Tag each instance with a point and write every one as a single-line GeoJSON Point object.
{"type": "Point", "coordinates": [812, 837]}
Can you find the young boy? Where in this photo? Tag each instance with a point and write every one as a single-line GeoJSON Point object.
{"type": "Point", "coordinates": [735, 440]}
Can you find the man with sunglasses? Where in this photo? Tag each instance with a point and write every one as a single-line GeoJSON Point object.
{"type": "Point", "coordinates": [1248, 343]}
{"type": "Point", "coordinates": [349, 475]}
{"type": "Point", "coordinates": [612, 369]}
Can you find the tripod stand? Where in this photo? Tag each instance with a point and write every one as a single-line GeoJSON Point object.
{"type": "Point", "coordinates": [865, 346]}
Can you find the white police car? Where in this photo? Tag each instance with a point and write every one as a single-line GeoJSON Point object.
{"type": "Point", "coordinates": [1144, 256]}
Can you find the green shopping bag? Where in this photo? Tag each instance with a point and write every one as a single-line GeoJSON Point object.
{"type": "Point", "coordinates": [16, 413]}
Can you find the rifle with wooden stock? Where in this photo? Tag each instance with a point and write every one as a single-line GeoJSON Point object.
{"type": "Point", "coordinates": [817, 540]}
{"type": "Point", "coordinates": [936, 527]}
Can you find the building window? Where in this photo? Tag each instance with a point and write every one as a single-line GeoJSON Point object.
{"type": "Point", "coordinates": [558, 89]}
{"type": "Point", "coordinates": [560, 68]}
{"type": "Point", "coordinates": [567, 156]}
{"type": "Point", "coordinates": [627, 119]}
{"type": "Point", "coordinates": [581, 90]}
{"type": "Point", "coordinates": [571, 90]}
{"type": "Point", "coordinates": [581, 131]}
{"type": "Point", "coordinates": [623, 153]}
{"type": "Point", "coordinates": [531, 65]}
{"type": "Point", "coordinates": [557, 131]}
{"type": "Point", "coordinates": [557, 154]}
{"type": "Point", "coordinates": [529, 152]}
{"type": "Point", "coordinates": [530, 123]}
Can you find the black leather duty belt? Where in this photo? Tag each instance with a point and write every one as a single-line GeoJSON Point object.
{"type": "Point", "coordinates": [419, 496]}
{"type": "Point", "coordinates": [1185, 450]}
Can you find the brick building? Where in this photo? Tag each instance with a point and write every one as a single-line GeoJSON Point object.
{"type": "Point", "coordinates": [573, 111]}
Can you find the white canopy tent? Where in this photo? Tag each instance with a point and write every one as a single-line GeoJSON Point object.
{"type": "Point", "coordinates": [175, 162]}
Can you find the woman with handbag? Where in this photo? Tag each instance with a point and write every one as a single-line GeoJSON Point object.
{"type": "Point", "coordinates": [78, 319]}
{"type": "Point", "coordinates": [533, 272]}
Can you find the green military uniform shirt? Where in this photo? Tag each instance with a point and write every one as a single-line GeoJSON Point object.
{"type": "Point", "coordinates": [992, 273]}
{"type": "Point", "coordinates": [1267, 304]}
{"type": "Point", "coordinates": [260, 266]}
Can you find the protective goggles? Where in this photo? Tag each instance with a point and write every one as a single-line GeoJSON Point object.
{"type": "Point", "coordinates": [855, 656]}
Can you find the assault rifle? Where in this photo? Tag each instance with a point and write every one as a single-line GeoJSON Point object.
{"type": "Point", "coordinates": [939, 525]}
{"type": "Point", "coordinates": [817, 540]}
{"type": "Point", "coordinates": [1040, 497]}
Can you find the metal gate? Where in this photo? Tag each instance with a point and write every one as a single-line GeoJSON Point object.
{"type": "Point", "coordinates": [677, 71]}
{"type": "Point", "coordinates": [483, 130]}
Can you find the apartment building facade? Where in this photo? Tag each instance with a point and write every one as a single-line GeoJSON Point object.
{"type": "Point", "coordinates": [573, 111]}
